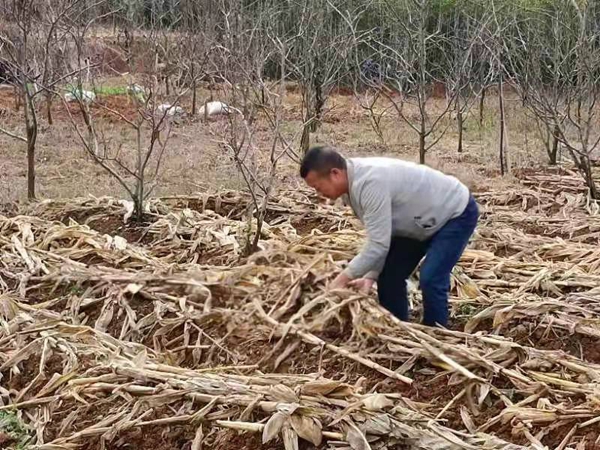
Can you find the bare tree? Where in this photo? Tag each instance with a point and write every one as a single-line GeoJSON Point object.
{"type": "Point", "coordinates": [555, 57]}
{"type": "Point", "coordinates": [19, 50]}
{"type": "Point", "coordinates": [413, 54]}
{"type": "Point", "coordinates": [135, 164]}
{"type": "Point", "coordinates": [368, 100]}
{"type": "Point", "coordinates": [253, 102]}
{"type": "Point", "coordinates": [503, 144]}
{"type": "Point", "coordinates": [193, 64]}
{"type": "Point", "coordinates": [550, 136]}
{"type": "Point", "coordinates": [319, 45]}
{"type": "Point", "coordinates": [38, 54]}
{"type": "Point", "coordinates": [470, 71]}
{"type": "Point", "coordinates": [492, 38]}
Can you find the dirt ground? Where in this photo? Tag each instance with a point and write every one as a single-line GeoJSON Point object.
{"type": "Point", "coordinates": [499, 266]}
{"type": "Point", "coordinates": [194, 161]}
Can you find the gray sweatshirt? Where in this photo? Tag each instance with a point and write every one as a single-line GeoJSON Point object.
{"type": "Point", "coordinates": [392, 197]}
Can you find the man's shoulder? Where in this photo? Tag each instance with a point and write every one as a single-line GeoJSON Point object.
{"type": "Point", "coordinates": [381, 167]}
{"type": "Point", "coordinates": [366, 162]}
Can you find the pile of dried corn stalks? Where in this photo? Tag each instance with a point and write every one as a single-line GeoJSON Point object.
{"type": "Point", "coordinates": [101, 337]}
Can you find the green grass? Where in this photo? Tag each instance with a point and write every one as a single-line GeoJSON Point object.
{"type": "Point", "coordinates": [101, 90]}
{"type": "Point", "coordinates": [110, 90]}
{"type": "Point", "coordinates": [12, 425]}
{"type": "Point", "coordinates": [76, 290]}
{"type": "Point", "coordinates": [466, 309]}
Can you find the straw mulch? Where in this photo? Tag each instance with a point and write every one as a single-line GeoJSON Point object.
{"type": "Point", "coordinates": [165, 335]}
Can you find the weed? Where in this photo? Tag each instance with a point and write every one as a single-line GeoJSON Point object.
{"type": "Point", "coordinates": [100, 90]}
{"type": "Point", "coordinates": [15, 428]}
{"type": "Point", "coordinates": [466, 309]}
{"type": "Point", "coordinates": [110, 90]}
{"type": "Point", "coordinates": [75, 290]}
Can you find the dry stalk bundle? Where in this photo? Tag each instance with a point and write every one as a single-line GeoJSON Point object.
{"type": "Point", "coordinates": [168, 325]}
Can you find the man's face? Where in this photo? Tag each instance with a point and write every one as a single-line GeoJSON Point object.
{"type": "Point", "coordinates": [331, 186]}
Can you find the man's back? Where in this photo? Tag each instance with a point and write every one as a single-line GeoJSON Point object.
{"type": "Point", "coordinates": [422, 199]}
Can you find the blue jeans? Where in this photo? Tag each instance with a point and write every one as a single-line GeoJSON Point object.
{"type": "Point", "coordinates": [442, 251]}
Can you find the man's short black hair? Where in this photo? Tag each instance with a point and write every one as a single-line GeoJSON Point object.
{"type": "Point", "coordinates": [321, 159]}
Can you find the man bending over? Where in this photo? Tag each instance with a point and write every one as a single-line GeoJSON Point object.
{"type": "Point", "coordinates": [410, 211]}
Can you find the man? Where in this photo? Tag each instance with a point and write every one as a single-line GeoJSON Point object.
{"type": "Point", "coordinates": [410, 211]}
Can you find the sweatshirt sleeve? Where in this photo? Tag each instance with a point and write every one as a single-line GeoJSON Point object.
{"type": "Point", "coordinates": [377, 219]}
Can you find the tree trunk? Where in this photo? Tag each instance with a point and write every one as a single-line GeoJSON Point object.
{"type": "Point", "coordinates": [139, 188]}
{"type": "Point", "coordinates": [422, 146]}
{"type": "Point", "coordinates": [319, 104]}
{"type": "Point", "coordinates": [31, 129]}
{"type": "Point", "coordinates": [459, 119]}
{"type": "Point", "coordinates": [582, 161]}
{"type": "Point", "coordinates": [318, 101]}
{"type": "Point", "coordinates": [49, 108]}
{"type": "Point", "coordinates": [591, 183]}
{"type": "Point", "coordinates": [92, 142]}
{"type": "Point", "coordinates": [459, 122]}
{"type": "Point", "coordinates": [305, 140]}
{"type": "Point", "coordinates": [194, 94]}
{"type": "Point", "coordinates": [312, 112]}
{"type": "Point", "coordinates": [555, 142]}
{"type": "Point", "coordinates": [18, 98]}
{"type": "Point", "coordinates": [586, 170]}
{"type": "Point", "coordinates": [481, 104]}
{"type": "Point", "coordinates": [503, 167]}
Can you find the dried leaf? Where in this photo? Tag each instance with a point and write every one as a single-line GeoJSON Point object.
{"type": "Point", "coordinates": [290, 438]}
{"type": "Point", "coordinates": [198, 438]}
{"type": "Point", "coordinates": [378, 425]}
{"type": "Point", "coordinates": [467, 420]}
{"type": "Point", "coordinates": [140, 359]}
{"type": "Point", "coordinates": [8, 307]}
{"type": "Point", "coordinates": [105, 317]}
{"type": "Point", "coordinates": [484, 390]}
{"type": "Point", "coordinates": [307, 429]}
{"type": "Point", "coordinates": [282, 393]}
{"type": "Point", "coordinates": [273, 426]}
{"type": "Point", "coordinates": [119, 243]}
{"type": "Point", "coordinates": [133, 288]}
{"type": "Point", "coordinates": [322, 387]}
{"type": "Point", "coordinates": [357, 439]}
{"type": "Point", "coordinates": [377, 402]}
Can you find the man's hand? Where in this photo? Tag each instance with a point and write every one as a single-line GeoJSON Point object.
{"type": "Point", "coordinates": [363, 285]}
{"type": "Point", "coordinates": [341, 281]}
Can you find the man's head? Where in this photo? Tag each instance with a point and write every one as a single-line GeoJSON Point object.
{"type": "Point", "coordinates": [325, 170]}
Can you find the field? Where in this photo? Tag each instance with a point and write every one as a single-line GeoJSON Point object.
{"type": "Point", "coordinates": [164, 335]}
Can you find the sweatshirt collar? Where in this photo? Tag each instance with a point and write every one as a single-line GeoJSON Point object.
{"type": "Point", "coordinates": [350, 173]}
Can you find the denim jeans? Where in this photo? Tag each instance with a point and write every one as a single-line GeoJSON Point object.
{"type": "Point", "coordinates": [442, 251]}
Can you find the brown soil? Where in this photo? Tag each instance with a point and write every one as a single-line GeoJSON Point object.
{"type": "Point", "coordinates": [576, 344]}
{"type": "Point", "coordinates": [231, 208]}
{"type": "Point", "coordinates": [540, 337]}
{"type": "Point", "coordinates": [163, 437]}
{"type": "Point", "coordinates": [305, 227]}
{"type": "Point", "coordinates": [30, 369]}
{"type": "Point", "coordinates": [5, 440]}
{"type": "Point", "coordinates": [234, 440]}
{"type": "Point", "coordinates": [110, 108]}
{"type": "Point", "coordinates": [86, 415]}
{"type": "Point", "coordinates": [134, 232]}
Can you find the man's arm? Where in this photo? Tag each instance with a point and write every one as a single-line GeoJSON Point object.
{"type": "Point", "coordinates": [377, 219]}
